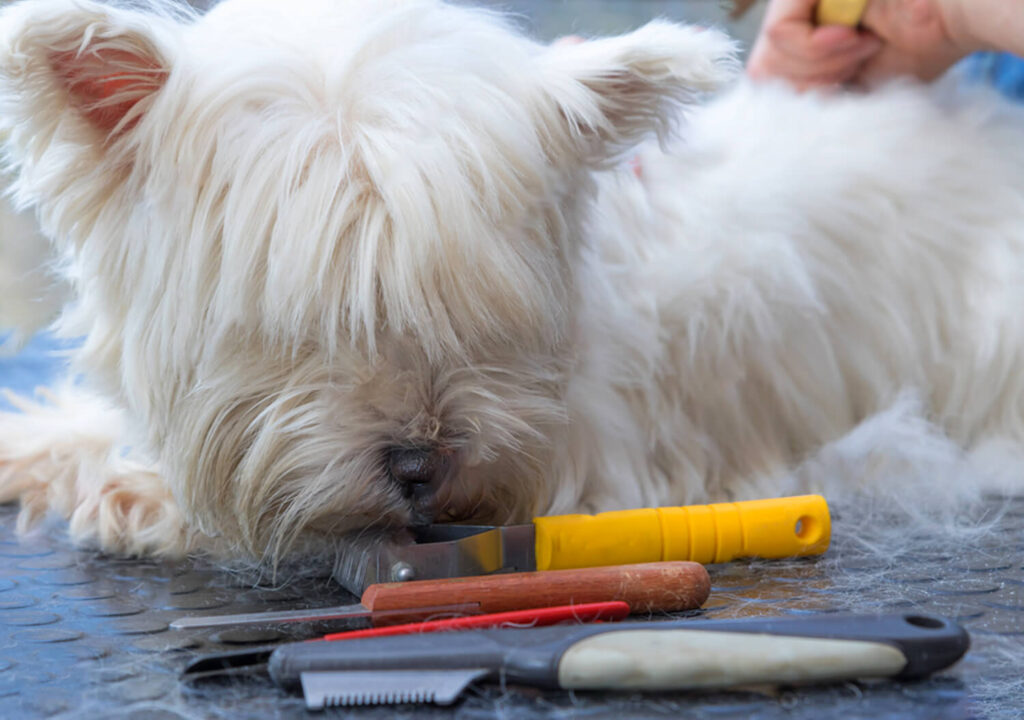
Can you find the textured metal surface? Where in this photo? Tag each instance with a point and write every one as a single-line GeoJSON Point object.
{"type": "Point", "coordinates": [86, 636]}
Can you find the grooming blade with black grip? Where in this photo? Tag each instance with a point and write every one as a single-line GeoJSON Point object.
{"type": "Point", "coordinates": [656, 656]}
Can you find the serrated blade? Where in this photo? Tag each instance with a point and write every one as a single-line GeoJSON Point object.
{"type": "Point", "coordinates": [385, 687]}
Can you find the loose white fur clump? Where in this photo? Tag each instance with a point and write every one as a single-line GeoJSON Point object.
{"type": "Point", "coordinates": [303, 236]}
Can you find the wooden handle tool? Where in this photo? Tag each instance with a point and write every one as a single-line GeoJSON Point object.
{"type": "Point", "coordinates": [647, 587]}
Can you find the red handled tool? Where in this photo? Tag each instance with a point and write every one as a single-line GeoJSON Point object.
{"type": "Point", "coordinates": [255, 659]}
{"type": "Point", "coordinates": [586, 613]}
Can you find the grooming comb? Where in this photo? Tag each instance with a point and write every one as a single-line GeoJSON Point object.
{"type": "Point", "coordinates": [655, 656]}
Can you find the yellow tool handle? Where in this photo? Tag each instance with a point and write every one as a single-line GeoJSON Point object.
{"type": "Point", "coordinates": [783, 527]}
{"type": "Point", "coordinates": [841, 12]}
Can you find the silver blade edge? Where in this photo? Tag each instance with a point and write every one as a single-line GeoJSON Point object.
{"type": "Point", "coordinates": [340, 612]}
{"type": "Point", "coordinates": [470, 551]}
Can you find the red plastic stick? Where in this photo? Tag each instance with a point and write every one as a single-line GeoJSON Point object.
{"type": "Point", "coordinates": [586, 612]}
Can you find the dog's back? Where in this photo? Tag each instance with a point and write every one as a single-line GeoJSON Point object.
{"type": "Point", "coordinates": [808, 262]}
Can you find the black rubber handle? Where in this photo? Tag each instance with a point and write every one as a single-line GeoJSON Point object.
{"type": "Point", "coordinates": [532, 656]}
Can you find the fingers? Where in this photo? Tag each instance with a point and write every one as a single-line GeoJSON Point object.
{"type": "Point", "coordinates": [809, 56]}
{"type": "Point", "coordinates": [916, 38]}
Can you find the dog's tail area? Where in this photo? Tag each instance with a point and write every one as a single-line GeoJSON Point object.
{"type": "Point", "coordinates": [30, 296]}
{"type": "Point", "coordinates": [65, 457]}
{"type": "Point", "coordinates": [899, 483]}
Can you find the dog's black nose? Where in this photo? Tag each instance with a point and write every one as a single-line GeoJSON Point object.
{"type": "Point", "coordinates": [414, 467]}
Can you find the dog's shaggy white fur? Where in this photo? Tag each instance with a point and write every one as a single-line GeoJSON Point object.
{"type": "Point", "coordinates": [305, 236]}
{"type": "Point", "coordinates": [30, 297]}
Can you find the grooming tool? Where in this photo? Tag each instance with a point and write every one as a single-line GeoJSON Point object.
{"type": "Point", "coordinates": [536, 617]}
{"type": "Point", "coordinates": [841, 12]}
{"type": "Point", "coordinates": [776, 528]}
{"type": "Point", "coordinates": [673, 655]}
{"type": "Point", "coordinates": [649, 587]}
{"type": "Point", "coordinates": [253, 660]}
{"type": "Point", "coordinates": [828, 12]}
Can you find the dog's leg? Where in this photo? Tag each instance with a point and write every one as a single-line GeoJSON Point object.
{"type": "Point", "coordinates": [67, 457]}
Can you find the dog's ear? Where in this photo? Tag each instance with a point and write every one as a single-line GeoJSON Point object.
{"type": "Point", "coordinates": [611, 93]}
{"type": "Point", "coordinates": [74, 71]}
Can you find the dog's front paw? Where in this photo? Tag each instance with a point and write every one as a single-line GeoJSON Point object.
{"type": "Point", "coordinates": [61, 457]}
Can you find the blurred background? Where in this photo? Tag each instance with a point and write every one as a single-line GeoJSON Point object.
{"type": "Point", "coordinates": [548, 19]}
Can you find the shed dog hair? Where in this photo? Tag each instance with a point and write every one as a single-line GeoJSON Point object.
{"type": "Point", "coordinates": [350, 264]}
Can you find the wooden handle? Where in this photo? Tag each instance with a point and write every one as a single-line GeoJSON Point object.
{"type": "Point", "coordinates": [647, 587]}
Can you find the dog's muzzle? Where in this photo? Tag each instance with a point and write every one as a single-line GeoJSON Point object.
{"type": "Point", "coordinates": [420, 472]}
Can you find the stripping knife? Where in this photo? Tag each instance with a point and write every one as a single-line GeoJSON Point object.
{"type": "Point", "coordinates": [841, 12]}
{"type": "Point", "coordinates": [253, 660]}
{"type": "Point", "coordinates": [828, 12]}
{"type": "Point", "coordinates": [775, 528]}
{"type": "Point", "coordinates": [656, 656]}
{"type": "Point", "coordinates": [650, 587]}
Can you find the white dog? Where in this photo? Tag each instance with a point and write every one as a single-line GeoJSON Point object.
{"type": "Point", "coordinates": [362, 263]}
{"type": "Point", "coordinates": [30, 298]}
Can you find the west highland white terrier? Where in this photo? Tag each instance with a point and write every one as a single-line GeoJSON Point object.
{"type": "Point", "coordinates": [29, 296]}
{"type": "Point", "coordinates": [356, 264]}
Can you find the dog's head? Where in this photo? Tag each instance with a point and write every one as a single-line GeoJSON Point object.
{"type": "Point", "coordinates": [325, 251]}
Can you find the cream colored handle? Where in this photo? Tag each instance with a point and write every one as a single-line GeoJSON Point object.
{"type": "Point", "coordinates": [690, 659]}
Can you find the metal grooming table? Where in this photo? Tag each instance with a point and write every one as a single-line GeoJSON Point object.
{"type": "Point", "coordinates": [85, 636]}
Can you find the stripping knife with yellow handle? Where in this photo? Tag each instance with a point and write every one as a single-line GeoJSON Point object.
{"type": "Point", "coordinates": [828, 12]}
{"type": "Point", "coordinates": [722, 532]}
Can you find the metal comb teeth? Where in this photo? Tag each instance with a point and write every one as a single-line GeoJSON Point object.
{"type": "Point", "coordinates": [380, 698]}
{"type": "Point", "coordinates": [385, 687]}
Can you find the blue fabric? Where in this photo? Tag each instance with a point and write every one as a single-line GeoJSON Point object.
{"type": "Point", "coordinates": [38, 364]}
{"type": "Point", "coordinates": [1001, 70]}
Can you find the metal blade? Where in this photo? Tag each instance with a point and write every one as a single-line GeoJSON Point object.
{"type": "Point", "coordinates": [385, 687]}
{"type": "Point", "coordinates": [237, 662]}
{"type": "Point", "coordinates": [436, 551]}
{"type": "Point", "coordinates": [341, 612]}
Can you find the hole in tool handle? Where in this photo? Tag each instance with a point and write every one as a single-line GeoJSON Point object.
{"type": "Point", "coordinates": [808, 529]}
{"type": "Point", "coordinates": [923, 621]}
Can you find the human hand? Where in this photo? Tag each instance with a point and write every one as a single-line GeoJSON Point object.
{"type": "Point", "coordinates": [922, 38]}
{"type": "Point", "coordinates": [790, 46]}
